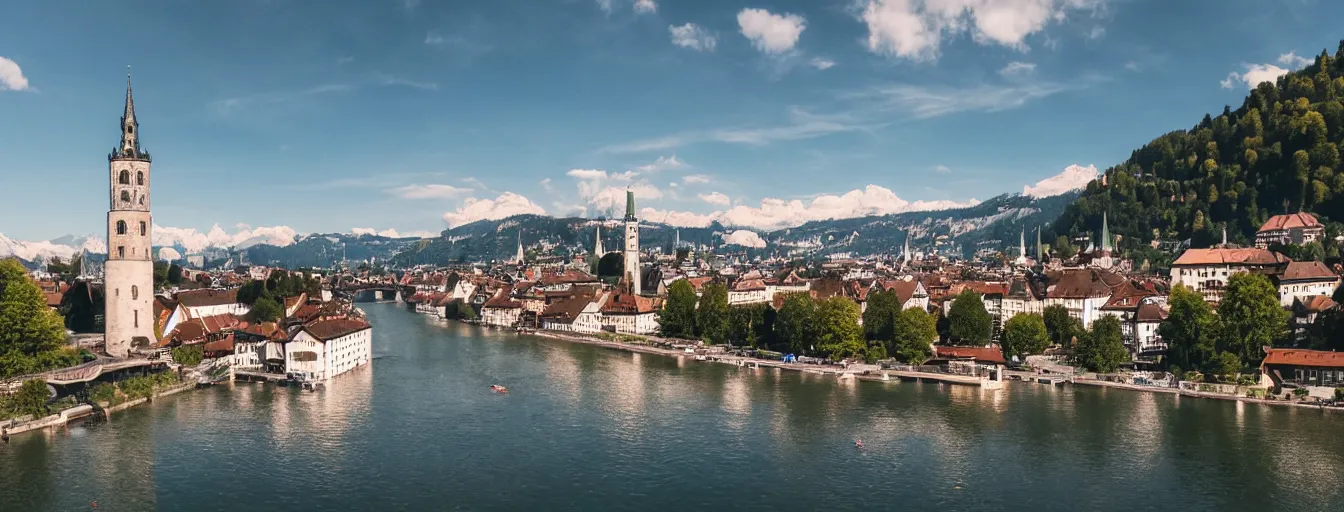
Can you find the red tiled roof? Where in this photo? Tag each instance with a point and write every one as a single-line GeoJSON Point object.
{"type": "Point", "coordinates": [629, 304]}
{"type": "Point", "coordinates": [1224, 256]}
{"type": "Point", "coordinates": [1073, 284]}
{"type": "Point", "coordinates": [224, 344]}
{"type": "Point", "coordinates": [1317, 304]}
{"type": "Point", "coordinates": [267, 330]}
{"type": "Point", "coordinates": [503, 299]}
{"type": "Point", "coordinates": [1151, 313]}
{"type": "Point", "coordinates": [1302, 357]}
{"type": "Point", "coordinates": [331, 328]}
{"type": "Point", "coordinates": [1307, 270]}
{"type": "Point", "coordinates": [746, 285]}
{"type": "Point", "coordinates": [990, 354]}
{"type": "Point", "coordinates": [1290, 221]}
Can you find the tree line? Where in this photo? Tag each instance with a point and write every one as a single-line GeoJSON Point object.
{"type": "Point", "coordinates": [32, 335]}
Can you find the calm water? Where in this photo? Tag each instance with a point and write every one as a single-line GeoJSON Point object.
{"type": "Point", "coordinates": [593, 429]}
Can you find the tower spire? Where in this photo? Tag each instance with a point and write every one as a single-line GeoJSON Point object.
{"type": "Point", "coordinates": [597, 245]}
{"type": "Point", "coordinates": [130, 138]}
{"type": "Point", "coordinates": [519, 258]}
{"type": "Point", "coordinates": [1022, 244]}
{"type": "Point", "coordinates": [1040, 256]}
{"type": "Point", "coordinates": [1105, 234]}
{"type": "Point", "coordinates": [629, 204]}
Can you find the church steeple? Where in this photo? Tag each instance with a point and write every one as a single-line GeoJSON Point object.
{"type": "Point", "coordinates": [1105, 234]}
{"type": "Point", "coordinates": [129, 149]}
{"type": "Point", "coordinates": [629, 205]}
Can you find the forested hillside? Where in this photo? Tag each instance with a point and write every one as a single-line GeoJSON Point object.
{"type": "Point", "coordinates": [1279, 152]}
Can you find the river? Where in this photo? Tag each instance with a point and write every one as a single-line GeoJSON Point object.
{"type": "Point", "coordinates": [587, 428]}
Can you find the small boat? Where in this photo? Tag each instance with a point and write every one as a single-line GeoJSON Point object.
{"type": "Point", "coordinates": [499, 389]}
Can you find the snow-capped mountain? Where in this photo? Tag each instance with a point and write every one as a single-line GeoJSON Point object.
{"type": "Point", "coordinates": [64, 247]}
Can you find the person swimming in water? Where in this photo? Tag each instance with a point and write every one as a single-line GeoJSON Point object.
{"type": "Point", "coordinates": [858, 443]}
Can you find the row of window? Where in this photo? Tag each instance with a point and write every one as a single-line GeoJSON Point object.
{"type": "Point", "coordinates": [121, 228]}
{"type": "Point", "coordinates": [126, 198]}
{"type": "Point", "coordinates": [125, 177]}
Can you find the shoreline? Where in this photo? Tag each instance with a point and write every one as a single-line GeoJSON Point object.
{"type": "Point", "coordinates": [64, 417]}
{"type": "Point", "coordinates": [587, 339]}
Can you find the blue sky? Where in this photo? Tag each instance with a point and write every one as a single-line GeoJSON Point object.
{"type": "Point", "coordinates": [411, 115]}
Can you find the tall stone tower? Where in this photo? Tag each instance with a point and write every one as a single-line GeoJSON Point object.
{"type": "Point", "coordinates": [631, 243]}
{"type": "Point", "coordinates": [129, 272]}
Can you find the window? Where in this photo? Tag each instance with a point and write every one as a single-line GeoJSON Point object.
{"type": "Point", "coordinates": [140, 178]}
{"type": "Point", "coordinates": [137, 316]}
{"type": "Point", "coordinates": [135, 292]}
{"type": "Point", "coordinates": [125, 177]}
{"type": "Point", "coordinates": [121, 227]}
{"type": "Point", "coordinates": [143, 228]}
{"type": "Point", "coordinates": [121, 252]}
{"type": "Point", "coordinates": [125, 196]}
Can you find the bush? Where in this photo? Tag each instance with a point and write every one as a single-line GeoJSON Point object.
{"type": "Point", "coordinates": [189, 355]}
{"type": "Point", "coordinates": [1193, 376]}
{"type": "Point", "coordinates": [103, 392]}
{"type": "Point", "coordinates": [1300, 392]}
{"type": "Point", "coordinates": [31, 398]}
{"type": "Point", "coordinates": [1339, 394]}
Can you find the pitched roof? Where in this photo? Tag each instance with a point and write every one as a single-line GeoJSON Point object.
{"type": "Point", "coordinates": [331, 328]}
{"type": "Point", "coordinates": [629, 304]}
{"type": "Point", "coordinates": [1307, 271]}
{"type": "Point", "coordinates": [503, 299]}
{"type": "Point", "coordinates": [1316, 304]}
{"type": "Point", "coordinates": [1302, 357]}
{"type": "Point", "coordinates": [990, 354]}
{"type": "Point", "coordinates": [1083, 283]}
{"type": "Point", "coordinates": [747, 285]}
{"type": "Point", "coordinates": [224, 344]}
{"type": "Point", "coordinates": [566, 309]}
{"type": "Point", "coordinates": [903, 289]}
{"type": "Point", "coordinates": [1151, 312]}
{"type": "Point", "coordinates": [1290, 221]}
{"type": "Point", "coordinates": [1227, 256]}
{"type": "Point", "coordinates": [203, 298]}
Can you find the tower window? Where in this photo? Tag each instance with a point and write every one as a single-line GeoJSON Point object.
{"type": "Point", "coordinates": [125, 177]}
{"type": "Point", "coordinates": [121, 227]}
{"type": "Point", "coordinates": [140, 178]}
{"type": "Point", "coordinates": [125, 196]}
{"type": "Point", "coordinates": [130, 128]}
{"type": "Point", "coordinates": [143, 229]}
{"type": "Point", "coordinates": [121, 251]}
{"type": "Point", "coordinates": [137, 316]}
{"type": "Point", "coordinates": [135, 292]}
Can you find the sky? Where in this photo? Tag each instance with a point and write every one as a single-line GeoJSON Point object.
{"type": "Point", "coordinates": [407, 117]}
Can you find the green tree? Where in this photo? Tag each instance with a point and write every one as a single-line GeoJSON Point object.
{"type": "Point", "coordinates": [1103, 349]}
{"type": "Point", "coordinates": [711, 318]}
{"type": "Point", "coordinates": [266, 309]}
{"type": "Point", "coordinates": [32, 398]}
{"type": "Point", "coordinates": [794, 326]}
{"type": "Point", "coordinates": [1251, 317]}
{"type": "Point", "coordinates": [11, 271]}
{"type": "Point", "coordinates": [1225, 365]}
{"type": "Point", "coordinates": [27, 324]}
{"type": "Point", "coordinates": [174, 274]}
{"type": "Point", "coordinates": [968, 321]}
{"type": "Point", "coordinates": [839, 335]}
{"type": "Point", "coordinates": [1060, 326]}
{"type": "Point", "coordinates": [1190, 330]}
{"type": "Point", "coordinates": [677, 319]}
{"type": "Point", "coordinates": [883, 306]}
{"type": "Point", "coordinates": [189, 355]}
{"type": "Point", "coordinates": [1025, 334]}
{"type": "Point", "coordinates": [1062, 247]}
{"type": "Point", "coordinates": [746, 325]}
{"type": "Point", "coordinates": [914, 332]}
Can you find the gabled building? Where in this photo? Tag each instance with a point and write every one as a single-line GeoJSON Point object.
{"type": "Point", "coordinates": [1291, 229]}
{"type": "Point", "coordinates": [210, 302]}
{"type": "Point", "coordinates": [628, 313]}
{"type": "Point", "coordinates": [1082, 292]}
{"type": "Point", "coordinates": [1304, 279]}
{"type": "Point", "coordinates": [324, 348]}
{"type": "Point", "coordinates": [502, 310]}
{"type": "Point", "coordinates": [1206, 270]}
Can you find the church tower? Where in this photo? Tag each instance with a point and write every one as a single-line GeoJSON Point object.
{"type": "Point", "coordinates": [632, 274]}
{"type": "Point", "coordinates": [128, 275]}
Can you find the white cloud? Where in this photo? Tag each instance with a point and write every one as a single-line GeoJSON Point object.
{"type": "Point", "coordinates": [871, 200]}
{"type": "Point", "coordinates": [605, 5]}
{"type": "Point", "coordinates": [822, 63]}
{"type": "Point", "coordinates": [428, 191]}
{"type": "Point", "coordinates": [169, 254]}
{"type": "Point", "coordinates": [1255, 73]}
{"type": "Point", "coordinates": [246, 236]}
{"type": "Point", "coordinates": [434, 39]}
{"type": "Point", "coordinates": [677, 218]}
{"type": "Point", "coordinates": [646, 6]}
{"type": "Point", "coordinates": [914, 29]}
{"type": "Point", "coordinates": [1073, 177]}
{"type": "Point", "coordinates": [771, 33]}
{"type": "Point", "coordinates": [1133, 66]}
{"type": "Point", "coordinates": [744, 238]}
{"type": "Point", "coordinates": [928, 102]}
{"type": "Point", "coordinates": [1016, 68]}
{"type": "Point", "coordinates": [1097, 32]}
{"type": "Point", "coordinates": [587, 174]}
{"type": "Point", "coordinates": [546, 185]}
{"type": "Point", "coordinates": [715, 198]}
{"type": "Point", "coordinates": [661, 164]}
{"type": "Point", "coordinates": [614, 197]}
{"type": "Point", "coordinates": [692, 36]}
{"type": "Point", "coordinates": [11, 77]}
{"type": "Point", "coordinates": [1293, 61]}
{"type": "Point", "coordinates": [392, 233]}
{"type": "Point", "coordinates": [695, 179]}
{"type": "Point", "coordinates": [942, 169]}
{"type": "Point", "coordinates": [506, 205]}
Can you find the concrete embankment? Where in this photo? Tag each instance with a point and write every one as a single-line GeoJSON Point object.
{"type": "Point", "coordinates": [80, 411]}
{"type": "Point", "coordinates": [873, 375]}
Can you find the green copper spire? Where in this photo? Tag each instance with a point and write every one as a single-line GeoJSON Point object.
{"type": "Point", "coordinates": [1039, 249]}
{"type": "Point", "coordinates": [1105, 234]}
{"type": "Point", "coordinates": [629, 204]}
